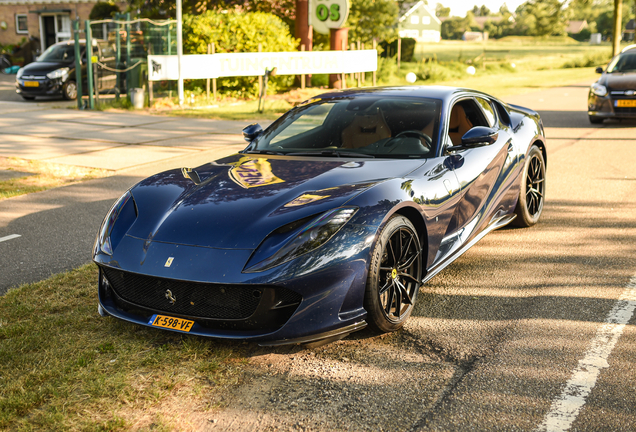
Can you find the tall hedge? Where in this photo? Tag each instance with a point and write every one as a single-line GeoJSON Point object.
{"type": "Point", "coordinates": [234, 32]}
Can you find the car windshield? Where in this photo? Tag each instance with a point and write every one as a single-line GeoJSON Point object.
{"type": "Point", "coordinates": [365, 126]}
{"type": "Point", "coordinates": [56, 53]}
{"type": "Point", "coordinates": [625, 62]}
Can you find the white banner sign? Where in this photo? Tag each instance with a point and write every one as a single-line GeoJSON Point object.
{"type": "Point", "coordinates": [199, 66]}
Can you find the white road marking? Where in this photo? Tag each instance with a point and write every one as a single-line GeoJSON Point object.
{"type": "Point", "coordinates": [9, 237]}
{"type": "Point", "coordinates": [566, 407]}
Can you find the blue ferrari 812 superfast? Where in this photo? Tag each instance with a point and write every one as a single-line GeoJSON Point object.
{"type": "Point", "coordinates": [331, 219]}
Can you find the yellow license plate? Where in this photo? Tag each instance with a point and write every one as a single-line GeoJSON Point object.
{"type": "Point", "coordinates": [171, 323]}
{"type": "Point", "coordinates": [31, 84]}
{"type": "Point", "coordinates": [626, 103]}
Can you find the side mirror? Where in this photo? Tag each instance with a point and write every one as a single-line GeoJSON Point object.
{"type": "Point", "coordinates": [251, 132]}
{"type": "Point", "coordinates": [599, 70]}
{"type": "Point", "coordinates": [476, 137]}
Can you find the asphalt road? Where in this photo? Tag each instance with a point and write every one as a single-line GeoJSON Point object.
{"type": "Point", "coordinates": [524, 332]}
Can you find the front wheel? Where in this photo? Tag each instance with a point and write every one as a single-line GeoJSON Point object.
{"type": "Point", "coordinates": [69, 90]}
{"type": "Point", "coordinates": [532, 191]}
{"type": "Point", "coordinates": [394, 275]}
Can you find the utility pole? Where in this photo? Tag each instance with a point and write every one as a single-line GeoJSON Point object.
{"type": "Point", "coordinates": [180, 51]}
{"type": "Point", "coordinates": [618, 18]}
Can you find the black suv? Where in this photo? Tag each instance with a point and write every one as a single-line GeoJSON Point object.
{"type": "Point", "coordinates": [53, 73]}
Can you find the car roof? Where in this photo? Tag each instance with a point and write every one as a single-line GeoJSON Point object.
{"type": "Point", "coordinates": [628, 48]}
{"type": "Point", "coordinates": [434, 92]}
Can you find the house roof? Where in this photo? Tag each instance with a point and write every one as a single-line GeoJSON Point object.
{"type": "Point", "coordinates": [412, 7]}
{"type": "Point", "coordinates": [576, 26]}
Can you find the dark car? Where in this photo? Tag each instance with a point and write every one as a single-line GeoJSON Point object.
{"type": "Point", "coordinates": [614, 94]}
{"type": "Point", "coordinates": [330, 220]}
{"type": "Point", "coordinates": [53, 73]}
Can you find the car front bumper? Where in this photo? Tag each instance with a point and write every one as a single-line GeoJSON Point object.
{"type": "Point", "coordinates": [305, 300]}
{"type": "Point", "coordinates": [45, 87]}
{"type": "Point", "coordinates": [606, 106]}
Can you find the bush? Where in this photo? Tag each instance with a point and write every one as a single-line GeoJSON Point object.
{"type": "Point", "coordinates": [234, 32]}
{"type": "Point", "coordinates": [407, 51]}
{"type": "Point", "coordinates": [589, 60]}
{"type": "Point", "coordinates": [434, 71]}
{"type": "Point", "coordinates": [103, 10]}
{"type": "Point", "coordinates": [582, 36]}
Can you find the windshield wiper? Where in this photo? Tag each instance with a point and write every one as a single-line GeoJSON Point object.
{"type": "Point", "coordinates": [336, 153]}
{"type": "Point", "coordinates": [269, 152]}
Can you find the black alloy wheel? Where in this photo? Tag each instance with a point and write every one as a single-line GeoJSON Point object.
{"type": "Point", "coordinates": [532, 192]}
{"type": "Point", "coordinates": [394, 275]}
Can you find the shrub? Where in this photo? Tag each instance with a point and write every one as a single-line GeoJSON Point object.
{"type": "Point", "coordinates": [407, 49]}
{"type": "Point", "coordinates": [234, 32]}
{"type": "Point", "coordinates": [589, 60]}
{"type": "Point", "coordinates": [103, 10]}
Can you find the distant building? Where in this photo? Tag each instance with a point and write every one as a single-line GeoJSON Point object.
{"type": "Point", "coordinates": [471, 36]}
{"type": "Point", "coordinates": [47, 20]}
{"type": "Point", "coordinates": [576, 27]}
{"type": "Point", "coordinates": [630, 28]}
{"type": "Point", "coordinates": [419, 22]}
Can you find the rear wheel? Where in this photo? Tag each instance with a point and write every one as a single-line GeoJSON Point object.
{"type": "Point", "coordinates": [532, 191]}
{"type": "Point", "coordinates": [394, 275]}
{"type": "Point", "coordinates": [595, 119]}
{"type": "Point", "coordinates": [69, 90]}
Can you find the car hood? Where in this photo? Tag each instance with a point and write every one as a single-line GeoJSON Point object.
{"type": "Point", "coordinates": [237, 201]}
{"type": "Point", "coordinates": [620, 81]}
{"type": "Point", "coordinates": [42, 68]}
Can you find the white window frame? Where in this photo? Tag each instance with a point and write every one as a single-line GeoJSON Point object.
{"type": "Point", "coordinates": [415, 19]}
{"type": "Point", "coordinates": [17, 27]}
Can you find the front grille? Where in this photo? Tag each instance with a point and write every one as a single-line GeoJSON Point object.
{"type": "Point", "coordinates": [215, 301]}
{"type": "Point", "coordinates": [630, 110]}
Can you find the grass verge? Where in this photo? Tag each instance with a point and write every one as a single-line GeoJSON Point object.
{"type": "Point", "coordinates": [62, 367]}
{"type": "Point", "coordinates": [35, 176]}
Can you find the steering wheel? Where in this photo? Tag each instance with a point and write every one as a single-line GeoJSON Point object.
{"type": "Point", "coordinates": [427, 141]}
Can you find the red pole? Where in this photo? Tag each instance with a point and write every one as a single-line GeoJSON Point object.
{"type": "Point", "coordinates": [338, 42]}
{"type": "Point", "coordinates": [302, 30]}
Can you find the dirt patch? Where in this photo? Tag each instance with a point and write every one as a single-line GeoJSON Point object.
{"type": "Point", "coordinates": [376, 383]}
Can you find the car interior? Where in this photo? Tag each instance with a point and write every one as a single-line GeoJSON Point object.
{"type": "Point", "coordinates": [392, 127]}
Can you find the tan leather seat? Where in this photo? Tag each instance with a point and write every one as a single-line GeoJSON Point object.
{"type": "Point", "coordinates": [365, 130]}
{"type": "Point", "coordinates": [458, 124]}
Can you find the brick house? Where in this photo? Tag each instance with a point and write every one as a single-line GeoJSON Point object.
{"type": "Point", "coordinates": [48, 20]}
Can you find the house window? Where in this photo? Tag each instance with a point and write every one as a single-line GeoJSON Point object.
{"type": "Point", "coordinates": [21, 24]}
{"type": "Point", "coordinates": [415, 19]}
{"type": "Point", "coordinates": [426, 20]}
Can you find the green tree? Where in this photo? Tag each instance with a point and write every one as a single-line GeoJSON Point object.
{"type": "Point", "coordinates": [238, 32]}
{"type": "Point", "coordinates": [373, 19]}
{"type": "Point", "coordinates": [541, 18]}
{"type": "Point", "coordinates": [481, 11]}
{"type": "Point", "coordinates": [441, 11]}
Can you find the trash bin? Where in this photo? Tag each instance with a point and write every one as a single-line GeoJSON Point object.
{"type": "Point", "coordinates": [137, 97]}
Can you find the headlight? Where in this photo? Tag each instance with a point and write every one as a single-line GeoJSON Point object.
{"type": "Point", "coordinates": [58, 73]}
{"type": "Point", "coordinates": [312, 236]}
{"type": "Point", "coordinates": [599, 90]}
{"type": "Point", "coordinates": [123, 210]}
{"type": "Point", "coordinates": [20, 73]}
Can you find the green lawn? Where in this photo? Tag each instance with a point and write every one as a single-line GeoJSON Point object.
{"type": "Point", "coordinates": [63, 367]}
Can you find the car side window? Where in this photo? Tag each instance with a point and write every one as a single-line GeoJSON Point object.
{"type": "Point", "coordinates": [488, 111]}
{"type": "Point", "coordinates": [464, 116]}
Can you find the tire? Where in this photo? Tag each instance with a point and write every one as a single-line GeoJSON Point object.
{"type": "Point", "coordinates": [595, 119]}
{"type": "Point", "coordinates": [532, 190]}
{"type": "Point", "coordinates": [394, 277]}
{"type": "Point", "coordinates": [69, 90]}
{"type": "Point", "coordinates": [29, 98]}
